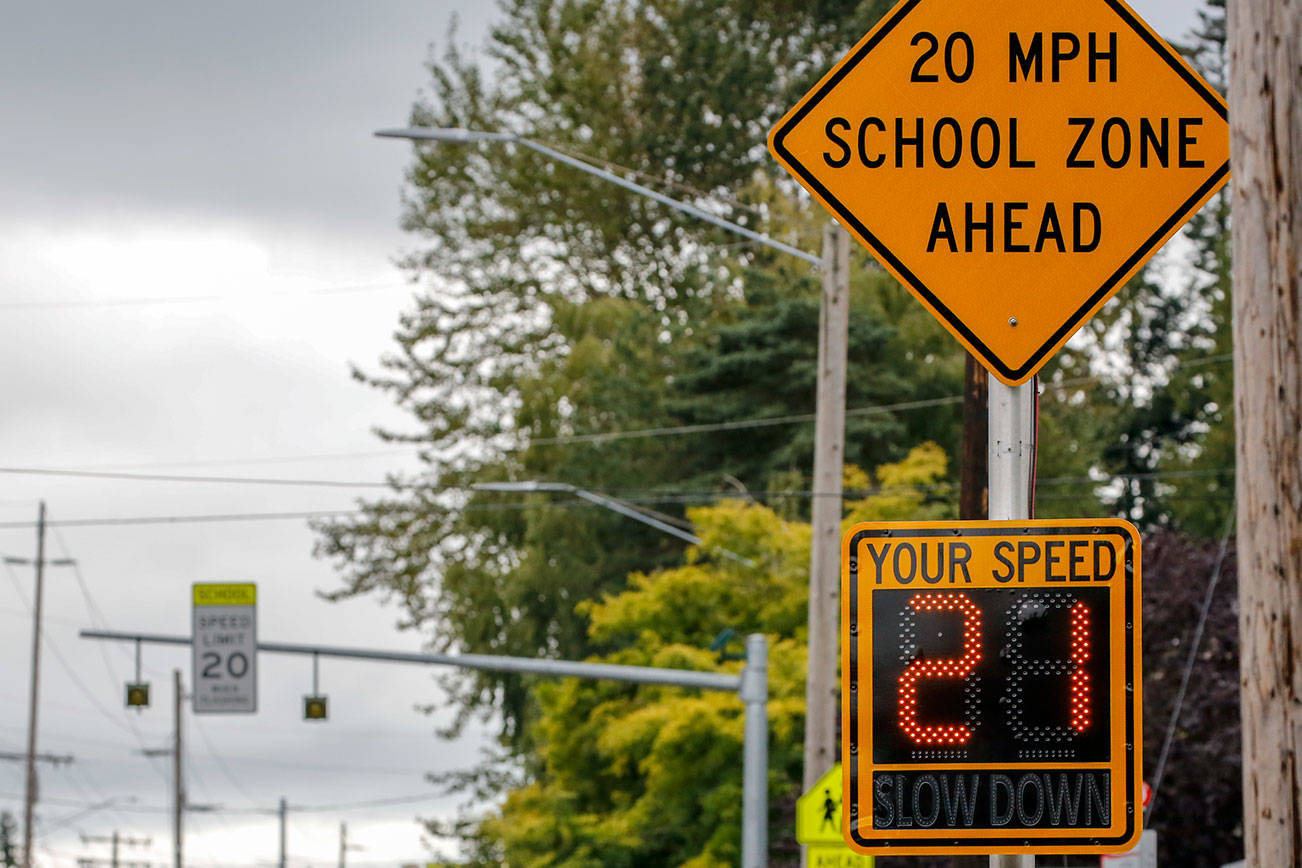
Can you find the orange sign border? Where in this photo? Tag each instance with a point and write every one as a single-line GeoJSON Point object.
{"type": "Point", "coordinates": [1009, 375]}
{"type": "Point", "coordinates": [922, 842]}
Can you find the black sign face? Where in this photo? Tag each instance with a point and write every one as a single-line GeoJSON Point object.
{"type": "Point", "coordinates": [991, 683]}
{"type": "Point", "coordinates": [991, 675]}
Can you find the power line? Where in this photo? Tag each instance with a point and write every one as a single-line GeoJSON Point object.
{"type": "Point", "coordinates": [163, 477]}
{"type": "Point", "coordinates": [597, 437]}
{"type": "Point", "coordinates": [634, 496]}
{"type": "Point", "coordinates": [1190, 659]}
{"type": "Point", "coordinates": [221, 763]}
{"type": "Point", "coordinates": [194, 299]}
{"type": "Point", "coordinates": [187, 519]}
{"type": "Point", "coordinates": [735, 425]}
{"type": "Point", "coordinates": [95, 614]}
{"type": "Point", "coordinates": [64, 664]}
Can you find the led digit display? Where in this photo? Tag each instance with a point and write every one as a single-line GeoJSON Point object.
{"type": "Point", "coordinates": [991, 686]}
{"type": "Point", "coordinates": [922, 667]}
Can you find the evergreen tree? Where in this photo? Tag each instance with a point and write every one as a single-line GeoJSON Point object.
{"type": "Point", "coordinates": [1137, 414]}
{"type": "Point", "coordinates": [554, 306]}
{"type": "Point", "coordinates": [9, 843]}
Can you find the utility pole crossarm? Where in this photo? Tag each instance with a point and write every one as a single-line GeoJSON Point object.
{"type": "Point", "coordinates": [52, 759]}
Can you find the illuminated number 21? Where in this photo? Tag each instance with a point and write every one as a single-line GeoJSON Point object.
{"type": "Point", "coordinates": [962, 668]}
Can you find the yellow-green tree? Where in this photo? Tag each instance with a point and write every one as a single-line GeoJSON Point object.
{"type": "Point", "coordinates": [627, 775]}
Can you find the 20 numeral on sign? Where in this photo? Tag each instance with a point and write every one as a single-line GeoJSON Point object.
{"type": "Point", "coordinates": [237, 665]}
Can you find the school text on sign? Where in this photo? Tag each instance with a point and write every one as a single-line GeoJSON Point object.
{"type": "Point", "coordinates": [1011, 163]}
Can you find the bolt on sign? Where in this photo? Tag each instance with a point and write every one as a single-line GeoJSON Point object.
{"type": "Point", "coordinates": [991, 687]}
{"type": "Point", "coordinates": [224, 648]}
{"type": "Point", "coordinates": [1011, 163]}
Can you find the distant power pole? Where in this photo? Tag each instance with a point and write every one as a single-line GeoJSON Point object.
{"type": "Point", "coordinates": [29, 799]}
{"type": "Point", "coordinates": [38, 599]}
{"type": "Point", "coordinates": [284, 811]}
{"type": "Point", "coordinates": [55, 760]}
{"type": "Point", "coordinates": [344, 846]}
{"type": "Point", "coordinates": [1266, 168]}
{"type": "Point", "coordinates": [178, 794]}
{"type": "Point", "coordinates": [115, 839]}
{"type": "Point", "coordinates": [973, 492]}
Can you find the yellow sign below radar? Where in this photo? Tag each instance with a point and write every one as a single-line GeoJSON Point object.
{"type": "Point", "coordinates": [818, 825]}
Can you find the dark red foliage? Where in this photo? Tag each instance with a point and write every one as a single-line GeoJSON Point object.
{"type": "Point", "coordinates": [1198, 810]}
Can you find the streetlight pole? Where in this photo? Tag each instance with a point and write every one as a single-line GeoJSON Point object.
{"type": "Point", "coordinates": [829, 443]}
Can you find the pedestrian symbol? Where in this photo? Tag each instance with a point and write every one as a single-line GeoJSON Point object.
{"type": "Point", "coordinates": [818, 826]}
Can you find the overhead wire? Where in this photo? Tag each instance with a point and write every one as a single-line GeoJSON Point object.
{"type": "Point", "coordinates": [1190, 659]}
{"type": "Point", "coordinates": [57, 304]}
{"type": "Point", "coordinates": [221, 762]}
{"type": "Point", "coordinates": [66, 666]}
{"type": "Point", "coordinates": [98, 620]}
{"type": "Point", "coordinates": [633, 496]}
{"type": "Point", "coordinates": [596, 437]}
{"type": "Point", "coordinates": [162, 477]}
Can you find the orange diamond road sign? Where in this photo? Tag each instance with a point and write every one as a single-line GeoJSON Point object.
{"type": "Point", "coordinates": [1011, 163]}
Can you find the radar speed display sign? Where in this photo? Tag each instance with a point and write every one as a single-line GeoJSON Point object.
{"type": "Point", "coordinates": [1011, 163]}
{"type": "Point", "coordinates": [991, 687]}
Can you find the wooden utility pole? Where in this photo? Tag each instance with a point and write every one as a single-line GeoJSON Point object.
{"type": "Point", "coordinates": [1265, 62]}
{"type": "Point", "coordinates": [973, 490]}
{"type": "Point", "coordinates": [29, 796]}
{"type": "Point", "coordinates": [284, 822]}
{"type": "Point", "coordinates": [178, 786]}
{"type": "Point", "coordinates": [821, 686]}
{"type": "Point", "coordinates": [115, 841]}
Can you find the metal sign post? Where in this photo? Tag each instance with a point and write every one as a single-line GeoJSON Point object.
{"type": "Point", "coordinates": [1010, 463]}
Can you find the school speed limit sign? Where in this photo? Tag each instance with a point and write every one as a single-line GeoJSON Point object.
{"type": "Point", "coordinates": [224, 649]}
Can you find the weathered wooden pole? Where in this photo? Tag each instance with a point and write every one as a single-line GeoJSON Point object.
{"type": "Point", "coordinates": [1265, 42]}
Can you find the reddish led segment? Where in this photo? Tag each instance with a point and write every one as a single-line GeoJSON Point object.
{"type": "Point", "coordinates": [1080, 655]}
{"type": "Point", "coordinates": [941, 734]}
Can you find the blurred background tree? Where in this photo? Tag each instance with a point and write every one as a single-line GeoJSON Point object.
{"type": "Point", "coordinates": [565, 329]}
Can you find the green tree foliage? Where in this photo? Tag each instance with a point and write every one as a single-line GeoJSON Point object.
{"type": "Point", "coordinates": [554, 309]}
{"type": "Point", "coordinates": [9, 843]}
{"type": "Point", "coordinates": [635, 775]}
{"type": "Point", "coordinates": [1137, 413]}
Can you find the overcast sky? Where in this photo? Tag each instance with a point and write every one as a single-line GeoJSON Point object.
{"type": "Point", "coordinates": [196, 236]}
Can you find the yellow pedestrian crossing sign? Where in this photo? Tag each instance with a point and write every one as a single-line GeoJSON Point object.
{"type": "Point", "coordinates": [818, 825]}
